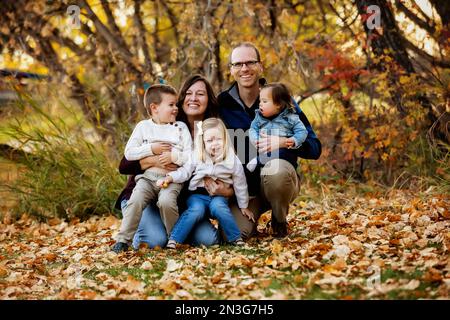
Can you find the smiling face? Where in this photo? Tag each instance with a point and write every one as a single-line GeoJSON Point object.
{"type": "Point", "coordinates": [196, 100]}
{"type": "Point", "coordinates": [246, 76]}
{"type": "Point", "coordinates": [166, 111]}
{"type": "Point", "coordinates": [214, 140]}
{"type": "Point", "coordinates": [266, 105]}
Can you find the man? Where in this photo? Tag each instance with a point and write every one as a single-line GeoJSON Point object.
{"type": "Point", "coordinates": [277, 184]}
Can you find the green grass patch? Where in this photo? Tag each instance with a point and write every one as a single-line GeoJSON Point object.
{"type": "Point", "coordinates": [317, 293]}
{"type": "Point", "coordinates": [147, 276]}
{"type": "Point", "coordinates": [209, 295]}
{"type": "Point", "coordinates": [390, 273]}
{"type": "Point", "coordinates": [275, 285]}
{"type": "Point", "coordinates": [437, 245]}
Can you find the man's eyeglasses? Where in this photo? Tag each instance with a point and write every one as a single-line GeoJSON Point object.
{"type": "Point", "coordinates": [239, 65]}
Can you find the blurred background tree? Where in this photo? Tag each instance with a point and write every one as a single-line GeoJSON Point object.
{"type": "Point", "coordinates": [378, 94]}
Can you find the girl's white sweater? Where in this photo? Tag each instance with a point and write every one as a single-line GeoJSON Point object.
{"type": "Point", "coordinates": [229, 171]}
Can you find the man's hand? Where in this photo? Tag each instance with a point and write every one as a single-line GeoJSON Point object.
{"type": "Point", "coordinates": [218, 188]}
{"type": "Point", "coordinates": [290, 143]}
{"type": "Point", "coordinates": [270, 143]}
{"type": "Point", "coordinates": [153, 161]}
{"type": "Point", "coordinates": [248, 213]}
{"type": "Point", "coordinates": [160, 147]}
{"type": "Point", "coordinates": [165, 158]}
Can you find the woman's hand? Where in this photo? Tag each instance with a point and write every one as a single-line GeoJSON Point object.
{"type": "Point", "coordinates": [160, 147]}
{"type": "Point", "coordinates": [165, 158]}
{"type": "Point", "coordinates": [248, 213]}
{"type": "Point", "coordinates": [153, 161]}
{"type": "Point", "coordinates": [270, 143]}
{"type": "Point", "coordinates": [218, 188]}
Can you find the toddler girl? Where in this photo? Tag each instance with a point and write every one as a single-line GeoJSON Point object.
{"type": "Point", "coordinates": [213, 157]}
{"type": "Point", "coordinates": [276, 117]}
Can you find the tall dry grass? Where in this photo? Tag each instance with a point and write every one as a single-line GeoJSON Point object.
{"type": "Point", "coordinates": [64, 173]}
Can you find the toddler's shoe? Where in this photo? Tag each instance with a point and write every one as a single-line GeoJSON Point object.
{"type": "Point", "coordinates": [172, 244]}
{"type": "Point", "coordinates": [251, 166]}
{"type": "Point", "coordinates": [119, 247]}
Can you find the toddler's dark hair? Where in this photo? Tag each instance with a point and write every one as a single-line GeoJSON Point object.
{"type": "Point", "coordinates": [153, 94]}
{"type": "Point", "coordinates": [280, 95]}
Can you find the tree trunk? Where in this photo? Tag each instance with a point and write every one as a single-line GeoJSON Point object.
{"type": "Point", "coordinates": [387, 39]}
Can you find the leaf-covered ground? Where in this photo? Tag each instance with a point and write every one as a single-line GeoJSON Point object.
{"type": "Point", "coordinates": [393, 245]}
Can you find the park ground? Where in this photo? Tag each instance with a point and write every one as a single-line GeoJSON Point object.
{"type": "Point", "coordinates": [345, 242]}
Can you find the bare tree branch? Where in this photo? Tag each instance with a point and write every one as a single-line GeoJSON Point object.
{"type": "Point", "coordinates": [348, 26]}
{"type": "Point", "coordinates": [173, 20]}
{"type": "Point", "coordinates": [104, 32]}
{"type": "Point", "coordinates": [142, 39]}
{"type": "Point", "coordinates": [413, 17]}
{"type": "Point", "coordinates": [112, 24]}
{"type": "Point", "coordinates": [434, 61]}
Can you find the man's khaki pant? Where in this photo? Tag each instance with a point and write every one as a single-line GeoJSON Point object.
{"type": "Point", "coordinates": [280, 186]}
{"type": "Point", "coordinates": [145, 191]}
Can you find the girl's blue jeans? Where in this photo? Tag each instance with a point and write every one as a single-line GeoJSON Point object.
{"type": "Point", "coordinates": [151, 230]}
{"type": "Point", "coordinates": [198, 205]}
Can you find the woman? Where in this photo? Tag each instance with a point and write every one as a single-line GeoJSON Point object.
{"type": "Point", "coordinates": [196, 102]}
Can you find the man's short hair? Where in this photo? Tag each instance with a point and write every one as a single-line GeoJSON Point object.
{"type": "Point", "coordinates": [154, 93]}
{"type": "Point", "coordinates": [247, 45]}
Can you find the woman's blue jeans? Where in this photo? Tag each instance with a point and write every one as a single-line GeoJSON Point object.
{"type": "Point", "coordinates": [198, 205]}
{"type": "Point", "coordinates": [151, 230]}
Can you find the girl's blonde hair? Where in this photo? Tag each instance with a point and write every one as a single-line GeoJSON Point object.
{"type": "Point", "coordinates": [199, 145]}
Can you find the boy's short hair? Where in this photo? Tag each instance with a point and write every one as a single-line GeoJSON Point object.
{"type": "Point", "coordinates": [153, 94]}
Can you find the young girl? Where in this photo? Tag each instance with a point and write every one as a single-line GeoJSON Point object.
{"type": "Point", "coordinates": [276, 117]}
{"type": "Point", "coordinates": [213, 157]}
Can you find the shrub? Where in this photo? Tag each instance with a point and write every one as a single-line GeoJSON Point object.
{"type": "Point", "coordinates": [64, 173]}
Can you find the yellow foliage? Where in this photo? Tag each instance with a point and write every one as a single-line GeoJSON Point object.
{"type": "Point", "coordinates": [404, 79]}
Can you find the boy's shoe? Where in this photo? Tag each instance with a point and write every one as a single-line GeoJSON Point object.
{"type": "Point", "coordinates": [172, 244]}
{"type": "Point", "coordinates": [279, 229]}
{"type": "Point", "coordinates": [120, 247]}
{"type": "Point", "coordinates": [238, 242]}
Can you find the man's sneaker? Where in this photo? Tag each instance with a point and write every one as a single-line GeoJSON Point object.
{"type": "Point", "coordinates": [279, 229]}
{"type": "Point", "coordinates": [120, 247]}
{"type": "Point", "coordinates": [172, 244]}
{"type": "Point", "coordinates": [238, 242]}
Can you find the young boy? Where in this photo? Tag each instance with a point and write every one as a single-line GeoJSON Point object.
{"type": "Point", "coordinates": [160, 135]}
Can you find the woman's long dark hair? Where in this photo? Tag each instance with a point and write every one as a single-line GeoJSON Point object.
{"type": "Point", "coordinates": [212, 109]}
